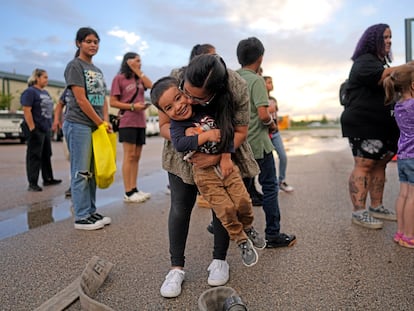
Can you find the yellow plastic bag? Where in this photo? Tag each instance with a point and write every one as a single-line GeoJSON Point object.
{"type": "Point", "coordinates": [104, 151]}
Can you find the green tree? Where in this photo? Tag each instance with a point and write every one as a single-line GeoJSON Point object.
{"type": "Point", "coordinates": [5, 100]}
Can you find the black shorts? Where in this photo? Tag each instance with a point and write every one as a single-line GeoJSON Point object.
{"type": "Point", "coordinates": [374, 149]}
{"type": "Point", "coordinates": [132, 135]}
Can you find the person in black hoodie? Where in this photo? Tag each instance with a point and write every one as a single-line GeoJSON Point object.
{"type": "Point", "coordinates": [370, 126]}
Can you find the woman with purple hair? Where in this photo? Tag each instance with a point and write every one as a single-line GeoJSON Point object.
{"type": "Point", "coordinates": [370, 126]}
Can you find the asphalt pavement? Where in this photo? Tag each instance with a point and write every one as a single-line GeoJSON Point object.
{"type": "Point", "coordinates": [335, 265]}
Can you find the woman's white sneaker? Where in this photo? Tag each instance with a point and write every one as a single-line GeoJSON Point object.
{"type": "Point", "coordinates": [218, 272]}
{"type": "Point", "coordinates": [172, 285]}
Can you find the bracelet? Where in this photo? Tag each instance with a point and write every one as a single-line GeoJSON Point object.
{"type": "Point", "coordinates": [268, 122]}
{"type": "Point", "coordinates": [132, 107]}
{"type": "Point", "coordinates": [142, 76]}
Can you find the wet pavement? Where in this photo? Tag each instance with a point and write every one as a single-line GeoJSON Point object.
{"type": "Point", "coordinates": [334, 266]}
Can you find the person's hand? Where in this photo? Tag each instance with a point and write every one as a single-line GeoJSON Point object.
{"type": "Point", "coordinates": [226, 166]}
{"type": "Point", "coordinates": [214, 135]}
{"type": "Point", "coordinates": [109, 128]}
{"type": "Point", "coordinates": [135, 66]}
{"type": "Point", "coordinates": [140, 106]}
{"type": "Point", "coordinates": [191, 131]}
{"type": "Point", "coordinates": [203, 160]}
{"type": "Point", "coordinates": [56, 125]}
{"type": "Point", "coordinates": [273, 127]}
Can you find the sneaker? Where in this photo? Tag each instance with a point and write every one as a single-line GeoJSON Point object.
{"type": "Point", "coordinates": [34, 188]}
{"type": "Point", "coordinates": [218, 273]}
{"type": "Point", "coordinates": [406, 241]}
{"type": "Point", "coordinates": [281, 240]}
{"type": "Point", "coordinates": [366, 220]}
{"type": "Point", "coordinates": [257, 240]}
{"type": "Point", "coordinates": [172, 285]}
{"type": "Point", "coordinates": [52, 182]}
{"type": "Point", "coordinates": [146, 195]}
{"type": "Point", "coordinates": [382, 213]}
{"type": "Point", "coordinates": [89, 223]}
{"type": "Point", "coordinates": [134, 198]}
{"type": "Point", "coordinates": [104, 219]}
{"type": "Point", "coordinates": [248, 253]}
{"type": "Point", "coordinates": [210, 228]}
{"type": "Point", "coordinates": [68, 193]}
{"type": "Point", "coordinates": [397, 236]}
{"type": "Point", "coordinates": [285, 187]}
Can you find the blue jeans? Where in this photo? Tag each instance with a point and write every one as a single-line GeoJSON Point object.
{"type": "Point", "coordinates": [183, 197]}
{"type": "Point", "coordinates": [83, 186]}
{"type": "Point", "coordinates": [270, 188]}
{"type": "Point", "coordinates": [280, 150]}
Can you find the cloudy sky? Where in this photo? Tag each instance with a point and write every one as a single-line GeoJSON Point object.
{"type": "Point", "coordinates": [308, 43]}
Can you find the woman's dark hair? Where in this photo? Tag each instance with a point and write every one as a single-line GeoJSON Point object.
{"type": "Point", "coordinates": [372, 42]}
{"type": "Point", "coordinates": [249, 50]}
{"type": "Point", "coordinates": [125, 69]}
{"type": "Point", "coordinates": [209, 72]}
{"type": "Point", "coordinates": [82, 34]}
{"type": "Point", "coordinates": [159, 87]}
{"type": "Point", "coordinates": [200, 49]}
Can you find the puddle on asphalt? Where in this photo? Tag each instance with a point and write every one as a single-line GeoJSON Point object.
{"type": "Point", "coordinates": [24, 218]}
{"type": "Point", "coordinates": [306, 142]}
{"type": "Point", "coordinates": [27, 217]}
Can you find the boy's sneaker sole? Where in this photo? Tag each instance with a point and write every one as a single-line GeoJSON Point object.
{"type": "Point", "coordinates": [257, 240]}
{"type": "Point", "coordinates": [248, 253]}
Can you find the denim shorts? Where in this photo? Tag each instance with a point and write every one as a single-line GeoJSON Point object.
{"type": "Point", "coordinates": [132, 135]}
{"type": "Point", "coordinates": [374, 149]}
{"type": "Point", "coordinates": [406, 170]}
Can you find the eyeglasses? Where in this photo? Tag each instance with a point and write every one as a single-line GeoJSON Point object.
{"type": "Point", "coordinates": [197, 100]}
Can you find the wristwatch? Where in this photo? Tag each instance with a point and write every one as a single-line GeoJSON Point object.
{"type": "Point", "coordinates": [132, 107]}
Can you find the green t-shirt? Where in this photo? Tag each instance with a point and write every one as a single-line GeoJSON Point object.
{"type": "Point", "coordinates": [258, 136]}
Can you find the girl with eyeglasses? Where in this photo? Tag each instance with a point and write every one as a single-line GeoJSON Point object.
{"type": "Point", "coordinates": [231, 101]}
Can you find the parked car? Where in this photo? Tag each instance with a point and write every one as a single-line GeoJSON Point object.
{"type": "Point", "coordinates": [10, 125]}
{"type": "Point", "coordinates": [153, 126]}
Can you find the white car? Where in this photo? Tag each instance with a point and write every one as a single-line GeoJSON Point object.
{"type": "Point", "coordinates": [10, 125]}
{"type": "Point", "coordinates": [153, 126]}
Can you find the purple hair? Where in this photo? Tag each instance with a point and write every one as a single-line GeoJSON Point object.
{"type": "Point", "coordinates": [372, 42]}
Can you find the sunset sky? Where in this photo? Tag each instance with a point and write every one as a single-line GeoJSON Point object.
{"type": "Point", "coordinates": [308, 43]}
